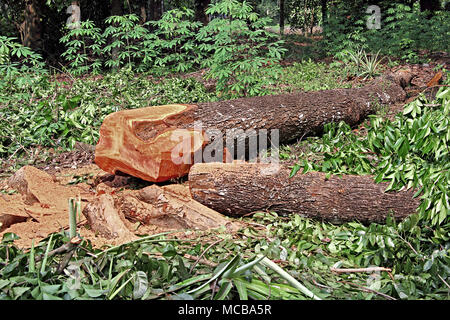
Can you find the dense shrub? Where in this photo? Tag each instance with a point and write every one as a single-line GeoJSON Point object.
{"type": "Point", "coordinates": [404, 31]}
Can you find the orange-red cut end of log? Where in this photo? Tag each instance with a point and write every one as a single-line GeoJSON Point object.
{"type": "Point", "coordinates": [167, 154]}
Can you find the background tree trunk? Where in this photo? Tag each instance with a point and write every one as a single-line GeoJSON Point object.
{"type": "Point", "coordinates": [281, 16]}
{"type": "Point", "coordinates": [324, 12]}
{"type": "Point", "coordinates": [430, 5]}
{"type": "Point", "coordinates": [157, 9]}
{"type": "Point", "coordinates": [143, 11]}
{"type": "Point", "coordinates": [116, 10]}
{"type": "Point", "coordinates": [200, 8]}
{"type": "Point", "coordinates": [238, 189]}
{"type": "Point", "coordinates": [31, 28]}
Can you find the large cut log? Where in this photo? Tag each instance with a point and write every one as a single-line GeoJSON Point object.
{"type": "Point", "coordinates": [162, 142]}
{"type": "Point", "coordinates": [238, 189]}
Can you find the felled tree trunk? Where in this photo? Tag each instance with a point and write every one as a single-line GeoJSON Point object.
{"type": "Point", "coordinates": [242, 188]}
{"type": "Point", "coordinates": [159, 143]}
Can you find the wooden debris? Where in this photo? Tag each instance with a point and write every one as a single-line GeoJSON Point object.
{"type": "Point", "coordinates": [170, 208]}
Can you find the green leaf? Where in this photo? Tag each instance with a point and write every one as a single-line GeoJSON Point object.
{"type": "Point", "coordinates": [140, 284]}
{"type": "Point", "coordinates": [19, 291]}
{"type": "Point", "coordinates": [241, 289]}
{"type": "Point", "coordinates": [94, 293]}
{"type": "Point", "coordinates": [9, 237]}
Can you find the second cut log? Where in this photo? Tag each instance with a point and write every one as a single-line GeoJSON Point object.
{"type": "Point", "coordinates": [238, 189]}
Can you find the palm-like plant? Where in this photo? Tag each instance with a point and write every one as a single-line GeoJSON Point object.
{"type": "Point", "coordinates": [366, 63]}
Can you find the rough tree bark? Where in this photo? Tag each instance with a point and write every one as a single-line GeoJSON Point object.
{"type": "Point", "coordinates": [238, 189]}
{"type": "Point", "coordinates": [31, 28]}
{"type": "Point", "coordinates": [281, 16]}
{"type": "Point", "coordinates": [200, 8]}
{"type": "Point", "coordinates": [126, 136]}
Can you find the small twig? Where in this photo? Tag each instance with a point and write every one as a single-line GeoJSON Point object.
{"type": "Point", "coordinates": [409, 244]}
{"type": "Point", "coordinates": [443, 281]}
{"type": "Point", "coordinates": [354, 270]}
{"type": "Point", "coordinates": [203, 253]}
{"type": "Point", "coordinates": [321, 285]}
{"type": "Point", "coordinates": [65, 261]}
{"type": "Point", "coordinates": [200, 260]}
{"type": "Point", "coordinates": [89, 252]}
{"type": "Point", "coordinates": [369, 290]}
{"type": "Point", "coordinates": [391, 276]}
{"type": "Point", "coordinates": [67, 247]}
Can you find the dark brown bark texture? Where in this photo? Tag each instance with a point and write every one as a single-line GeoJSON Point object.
{"type": "Point", "coordinates": [295, 115]}
{"type": "Point", "coordinates": [200, 11]}
{"type": "Point", "coordinates": [31, 28]}
{"type": "Point", "coordinates": [281, 16]}
{"type": "Point", "coordinates": [238, 189]}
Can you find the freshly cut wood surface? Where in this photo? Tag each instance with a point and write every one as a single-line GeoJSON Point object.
{"type": "Point", "coordinates": [124, 148]}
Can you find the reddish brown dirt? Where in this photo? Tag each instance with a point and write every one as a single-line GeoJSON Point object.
{"type": "Point", "coordinates": [44, 219]}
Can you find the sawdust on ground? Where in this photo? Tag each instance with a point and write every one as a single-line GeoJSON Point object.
{"type": "Point", "coordinates": [42, 219]}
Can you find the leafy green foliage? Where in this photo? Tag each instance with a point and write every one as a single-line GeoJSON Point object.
{"type": "Point", "coordinates": [361, 63]}
{"type": "Point", "coordinates": [84, 48]}
{"type": "Point", "coordinates": [153, 267]}
{"type": "Point", "coordinates": [404, 31]}
{"type": "Point", "coordinates": [127, 43]}
{"type": "Point", "coordinates": [55, 114]}
{"type": "Point", "coordinates": [174, 37]}
{"type": "Point", "coordinates": [244, 57]}
{"type": "Point", "coordinates": [19, 65]}
{"type": "Point", "coordinates": [304, 14]}
{"type": "Point", "coordinates": [308, 75]}
{"type": "Point", "coordinates": [125, 34]}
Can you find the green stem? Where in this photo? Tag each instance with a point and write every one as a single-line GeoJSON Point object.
{"type": "Point", "coordinates": [270, 264]}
